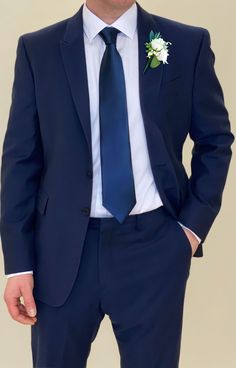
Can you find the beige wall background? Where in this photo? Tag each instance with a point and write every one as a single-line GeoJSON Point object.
{"type": "Point", "coordinates": [209, 331]}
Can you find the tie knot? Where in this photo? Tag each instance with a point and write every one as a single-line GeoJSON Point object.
{"type": "Point", "coordinates": [109, 35]}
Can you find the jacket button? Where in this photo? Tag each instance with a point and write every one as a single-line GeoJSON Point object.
{"type": "Point", "coordinates": [85, 211]}
{"type": "Point", "coordinates": [89, 174]}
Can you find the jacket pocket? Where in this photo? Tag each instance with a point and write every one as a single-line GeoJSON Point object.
{"type": "Point", "coordinates": [171, 80]}
{"type": "Point", "coordinates": [41, 201]}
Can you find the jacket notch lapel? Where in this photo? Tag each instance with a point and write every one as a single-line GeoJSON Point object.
{"type": "Point", "coordinates": [150, 81]}
{"type": "Point", "coordinates": [73, 56]}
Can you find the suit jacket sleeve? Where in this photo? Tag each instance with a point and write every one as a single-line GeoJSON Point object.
{"type": "Point", "coordinates": [20, 170]}
{"type": "Point", "coordinates": [210, 132]}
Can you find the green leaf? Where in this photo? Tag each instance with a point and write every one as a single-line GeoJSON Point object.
{"type": "Point", "coordinates": [151, 36]}
{"type": "Point", "coordinates": [155, 62]}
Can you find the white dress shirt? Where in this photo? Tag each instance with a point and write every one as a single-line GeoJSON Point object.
{"type": "Point", "coordinates": [147, 195]}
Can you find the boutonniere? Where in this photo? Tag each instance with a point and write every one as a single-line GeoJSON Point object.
{"type": "Point", "coordinates": [157, 51]}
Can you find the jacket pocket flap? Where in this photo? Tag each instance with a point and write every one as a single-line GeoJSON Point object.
{"type": "Point", "coordinates": [41, 202]}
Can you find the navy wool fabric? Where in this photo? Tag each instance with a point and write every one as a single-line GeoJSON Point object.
{"type": "Point", "coordinates": [46, 178]}
{"type": "Point", "coordinates": [136, 273]}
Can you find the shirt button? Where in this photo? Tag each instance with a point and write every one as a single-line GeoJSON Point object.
{"type": "Point", "coordinates": [85, 211]}
{"type": "Point", "coordinates": [89, 174]}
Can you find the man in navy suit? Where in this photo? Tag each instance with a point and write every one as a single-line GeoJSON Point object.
{"type": "Point", "coordinates": [98, 215]}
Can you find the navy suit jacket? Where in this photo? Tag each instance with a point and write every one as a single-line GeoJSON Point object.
{"type": "Point", "coordinates": [47, 158]}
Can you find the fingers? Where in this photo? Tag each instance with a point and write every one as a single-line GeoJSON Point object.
{"type": "Point", "coordinates": [17, 288]}
{"type": "Point", "coordinates": [29, 302]}
{"type": "Point", "coordinates": [12, 305]}
{"type": "Point", "coordinates": [18, 313]}
{"type": "Point", "coordinates": [24, 314]}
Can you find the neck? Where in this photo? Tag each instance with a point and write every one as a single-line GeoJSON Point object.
{"type": "Point", "coordinates": [108, 13]}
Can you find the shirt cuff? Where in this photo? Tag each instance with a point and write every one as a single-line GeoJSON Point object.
{"type": "Point", "coordinates": [197, 237]}
{"type": "Point", "coordinates": [18, 274]}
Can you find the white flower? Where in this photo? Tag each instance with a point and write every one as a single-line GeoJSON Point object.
{"type": "Point", "coordinates": [158, 44]}
{"type": "Point", "coordinates": [157, 50]}
{"type": "Point", "coordinates": [163, 55]}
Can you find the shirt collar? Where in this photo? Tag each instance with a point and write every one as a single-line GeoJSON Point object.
{"type": "Point", "coordinates": [126, 23]}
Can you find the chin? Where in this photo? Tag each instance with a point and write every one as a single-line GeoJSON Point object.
{"type": "Point", "coordinates": [121, 4]}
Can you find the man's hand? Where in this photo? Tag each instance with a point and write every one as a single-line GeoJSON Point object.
{"type": "Point", "coordinates": [21, 287]}
{"type": "Point", "coordinates": [192, 239]}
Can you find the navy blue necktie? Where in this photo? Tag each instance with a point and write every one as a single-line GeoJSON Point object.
{"type": "Point", "coordinates": [118, 191]}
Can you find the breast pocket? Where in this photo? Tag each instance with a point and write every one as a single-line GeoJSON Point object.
{"type": "Point", "coordinates": [172, 79]}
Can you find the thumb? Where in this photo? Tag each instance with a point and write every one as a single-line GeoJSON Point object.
{"type": "Point", "coordinates": [29, 302]}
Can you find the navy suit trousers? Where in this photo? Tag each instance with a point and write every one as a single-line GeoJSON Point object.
{"type": "Point", "coordinates": [136, 273]}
